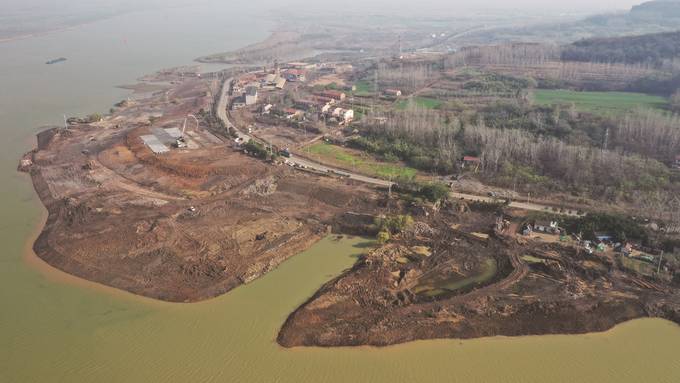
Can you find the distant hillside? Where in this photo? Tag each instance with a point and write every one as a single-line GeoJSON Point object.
{"type": "Point", "coordinates": [654, 9]}
{"type": "Point", "coordinates": [651, 17]}
{"type": "Point", "coordinates": [645, 49]}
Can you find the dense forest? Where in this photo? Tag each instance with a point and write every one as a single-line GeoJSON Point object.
{"type": "Point", "coordinates": [659, 49]}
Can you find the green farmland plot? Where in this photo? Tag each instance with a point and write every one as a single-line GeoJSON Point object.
{"type": "Point", "coordinates": [423, 102]}
{"type": "Point", "coordinates": [351, 160]}
{"type": "Point", "coordinates": [600, 102]}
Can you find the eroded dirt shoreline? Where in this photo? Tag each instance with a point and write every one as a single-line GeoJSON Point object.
{"type": "Point", "coordinates": [539, 289]}
{"type": "Point", "coordinates": [184, 226]}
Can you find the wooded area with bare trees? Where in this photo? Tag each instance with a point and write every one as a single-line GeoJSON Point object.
{"type": "Point", "coordinates": [648, 133]}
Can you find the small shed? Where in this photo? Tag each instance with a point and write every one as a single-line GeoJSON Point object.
{"type": "Point", "coordinates": [472, 162]}
{"type": "Point", "coordinates": [550, 227]}
{"type": "Point", "coordinates": [604, 237]}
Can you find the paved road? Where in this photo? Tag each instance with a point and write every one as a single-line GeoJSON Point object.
{"type": "Point", "coordinates": [222, 114]}
{"type": "Point", "coordinates": [222, 105]}
{"type": "Point", "coordinates": [518, 205]}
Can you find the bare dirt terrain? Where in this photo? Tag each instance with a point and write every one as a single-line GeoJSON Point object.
{"type": "Point", "coordinates": [432, 282]}
{"type": "Point", "coordinates": [184, 225]}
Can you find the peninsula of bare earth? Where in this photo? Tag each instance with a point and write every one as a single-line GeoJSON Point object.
{"type": "Point", "coordinates": [514, 189]}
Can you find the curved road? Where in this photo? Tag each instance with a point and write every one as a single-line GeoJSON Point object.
{"type": "Point", "coordinates": [223, 103]}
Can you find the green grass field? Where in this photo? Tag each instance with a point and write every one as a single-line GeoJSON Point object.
{"type": "Point", "coordinates": [429, 103]}
{"type": "Point", "coordinates": [364, 88]}
{"type": "Point", "coordinates": [600, 102]}
{"type": "Point", "coordinates": [345, 158]}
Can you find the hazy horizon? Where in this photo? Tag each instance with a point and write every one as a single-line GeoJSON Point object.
{"type": "Point", "coordinates": [21, 17]}
{"type": "Point", "coordinates": [388, 5]}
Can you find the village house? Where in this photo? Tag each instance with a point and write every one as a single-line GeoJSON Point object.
{"type": "Point", "coordinates": [343, 115]}
{"type": "Point", "coordinates": [626, 249]}
{"type": "Point", "coordinates": [267, 109]}
{"type": "Point", "coordinates": [677, 161]}
{"type": "Point", "coordinates": [392, 92]}
{"type": "Point", "coordinates": [472, 162]}
{"type": "Point", "coordinates": [550, 227]}
{"type": "Point", "coordinates": [333, 94]}
{"type": "Point", "coordinates": [272, 80]}
{"type": "Point", "coordinates": [323, 100]}
{"type": "Point", "coordinates": [269, 80]}
{"type": "Point", "coordinates": [332, 68]}
{"type": "Point", "coordinates": [251, 95]}
{"type": "Point", "coordinates": [238, 103]}
{"type": "Point", "coordinates": [295, 75]}
{"type": "Point", "coordinates": [245, 81]}
{"type": "Point", "coordinates": [307, 105]}
{"type": "Point", "coordinates": [294, 114]}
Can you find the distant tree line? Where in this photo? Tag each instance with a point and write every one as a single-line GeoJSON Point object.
{"type": "Point", "coordinates": [659, 49]}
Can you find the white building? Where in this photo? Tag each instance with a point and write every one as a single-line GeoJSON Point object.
{"type": "Point", "coordinates": [251, 95]}
{"type": "Point", "coordinates": [345, 115]}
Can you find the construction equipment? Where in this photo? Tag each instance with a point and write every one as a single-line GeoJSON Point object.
{"type": "Point", "coordinates": [181, 141]}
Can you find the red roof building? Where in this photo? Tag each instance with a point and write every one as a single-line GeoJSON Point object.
{"type": "Point", "coordinates": [333, 94]}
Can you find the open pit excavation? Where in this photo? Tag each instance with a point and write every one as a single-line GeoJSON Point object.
{"type": "Point", "coordinates": [154, 202]}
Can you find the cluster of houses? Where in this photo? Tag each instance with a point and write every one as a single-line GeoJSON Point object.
{"type": "Point", "coordinates": [677, 162]}
{"type": "Point", "coordinates": [325, 103]}
{"type": "Point", "coordinates": [247, 85]}
{"type": "Point", "coordinates": [600, 244]}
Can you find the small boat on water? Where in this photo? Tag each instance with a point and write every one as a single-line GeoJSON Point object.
{"type": "Point", "coordinates": [60, 59]}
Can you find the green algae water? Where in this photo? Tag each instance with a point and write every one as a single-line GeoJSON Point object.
{"type": "Point", "coordinates": [56, 328]}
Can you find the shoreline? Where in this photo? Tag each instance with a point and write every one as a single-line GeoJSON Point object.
{"type": "Point", "coordinates": [416, 342]}
{"type": "Point", "coordinates": [56, 275]}
{"type": "Point", "coordinates": [53, 274]}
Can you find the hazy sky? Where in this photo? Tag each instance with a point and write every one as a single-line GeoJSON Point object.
{"type": "Point", "coordinates": [566, 5]}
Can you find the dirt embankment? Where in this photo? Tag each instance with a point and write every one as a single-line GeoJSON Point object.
{"type": "Point", "coordinates": [185, 225]}
{"type": "Point", "coordinates": [398, 293]}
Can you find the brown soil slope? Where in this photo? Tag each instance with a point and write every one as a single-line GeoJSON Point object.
{"type": "Point", "coordinates": [181, 226]}
{"type": "Point", "coordinates": [538, 288]}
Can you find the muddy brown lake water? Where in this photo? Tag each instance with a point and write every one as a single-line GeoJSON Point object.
{"type": "Point", "coordinates": [56, 328]}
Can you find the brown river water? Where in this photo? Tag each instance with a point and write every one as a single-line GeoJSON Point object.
{"type": "Point", "coordinates": [57, 328]}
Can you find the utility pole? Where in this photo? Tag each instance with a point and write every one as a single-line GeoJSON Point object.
{"type": "Point", "coordinates": [375, 86]}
